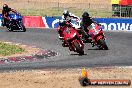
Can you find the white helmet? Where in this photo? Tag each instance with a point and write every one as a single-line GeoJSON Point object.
{"type": "Point", "coordinates": [66, 13]}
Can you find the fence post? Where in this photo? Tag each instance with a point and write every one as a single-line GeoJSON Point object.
{"type": "Point", "coordinates": [58, 6]}
{"type": "Point", "coordinates": [89, 5]}
{"type": "Point", "coordinates": [120, 10]}
{"type": "Point", "coordinates": [27, 7]}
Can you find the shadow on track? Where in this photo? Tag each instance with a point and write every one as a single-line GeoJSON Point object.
{"type": "Point", "coordinates": [15, 31]}
{"type": "Point", "coordinates": [78, 54]}
{"type": "Point", "coordinates": [97, 49]}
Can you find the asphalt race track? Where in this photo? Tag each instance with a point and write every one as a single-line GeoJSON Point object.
{"type": "Point", "coordinates": [119, 43]}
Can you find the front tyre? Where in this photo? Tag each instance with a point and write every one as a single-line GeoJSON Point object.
{"type": "Point", "coordinates": [78, 48]}
{"type": "Point", "coordinates": [102, 44]}
{"type": "Point", "coordinates": [24, 29]}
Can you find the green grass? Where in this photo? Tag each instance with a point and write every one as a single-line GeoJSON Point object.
{"type": "Point", "coordinates": [8, 49]}
{"type": "Point", "coordinates": [58, 12]}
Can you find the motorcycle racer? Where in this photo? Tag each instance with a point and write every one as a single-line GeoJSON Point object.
{"type": "Point", "coordinates": [5, 14]}
{"type": "Point", "coordinates": [66, 17]}
{"type": "Point", "coordinates": [85, 24]}
{"type": "Point", "coordinates": [69, 15]}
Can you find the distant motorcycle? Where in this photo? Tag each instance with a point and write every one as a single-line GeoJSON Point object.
{"type": "Point", "coordinates": [98, 37]}
{"type": "Point", "coordinates": [73, 39]}
{"type": "Point", "coordinates": [16, 22]}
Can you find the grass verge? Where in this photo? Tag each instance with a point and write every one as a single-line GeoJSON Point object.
{"type": "Point", "coordinates": [59, 11]}
{"type": "Point", "coordinates": [8, 49]}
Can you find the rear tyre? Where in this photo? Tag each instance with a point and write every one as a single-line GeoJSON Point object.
{"type": "Point", "coordinates": [78, 48]}
{"type": "Point", "coordinates": [102, 44]}
{"type": "Point", "coordinates": [10, 28]}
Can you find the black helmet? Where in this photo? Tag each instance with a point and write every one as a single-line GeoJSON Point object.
{"type": "Point", "coordinates": [5, 7]}
{"type": "Point", "coordinates": [66, 13]}
{"type": "Point", "coordinates": [85, 15]}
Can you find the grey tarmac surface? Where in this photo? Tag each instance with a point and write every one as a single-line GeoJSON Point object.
{"type": "Point", "coordinates": [119, 53]}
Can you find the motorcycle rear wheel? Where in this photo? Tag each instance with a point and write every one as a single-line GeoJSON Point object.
{"type": "Point", "coordinates": [9, 28]}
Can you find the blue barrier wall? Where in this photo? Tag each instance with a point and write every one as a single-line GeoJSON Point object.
{"type": "Point", "coordinates": [52, 22]}
{"type": "Point", "coordinates": [115, 23]}
{"type": "Point", "coordinates": [107, 23]}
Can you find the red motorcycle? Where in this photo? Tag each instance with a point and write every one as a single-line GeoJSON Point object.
{"type": "Point", "coordinates": [73, 39]}
{"type": "Point", "coordinates": [98, 37]}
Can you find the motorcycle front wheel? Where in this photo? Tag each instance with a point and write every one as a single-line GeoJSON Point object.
{"type": "Point", "coordinates": [22, 27]}
{"type": "Point", "coordinates": [102, 44]}
{"type": "Point", "coordinates": [78, 48]}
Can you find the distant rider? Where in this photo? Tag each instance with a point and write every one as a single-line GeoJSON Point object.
{"type": "Point", "coordinates": [85, 24]}
{"type": "Point", "coordinates": [5, 14]}
{"type": "Point", "coordinates": [66, 17]}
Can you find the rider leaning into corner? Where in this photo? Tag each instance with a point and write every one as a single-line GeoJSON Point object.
{"type": "Point", "coordinates": [66, 17]}
{"type": "Point", "coordinates": [5, 14]}
{"type": "Point", "coordinates": [85, 25]}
